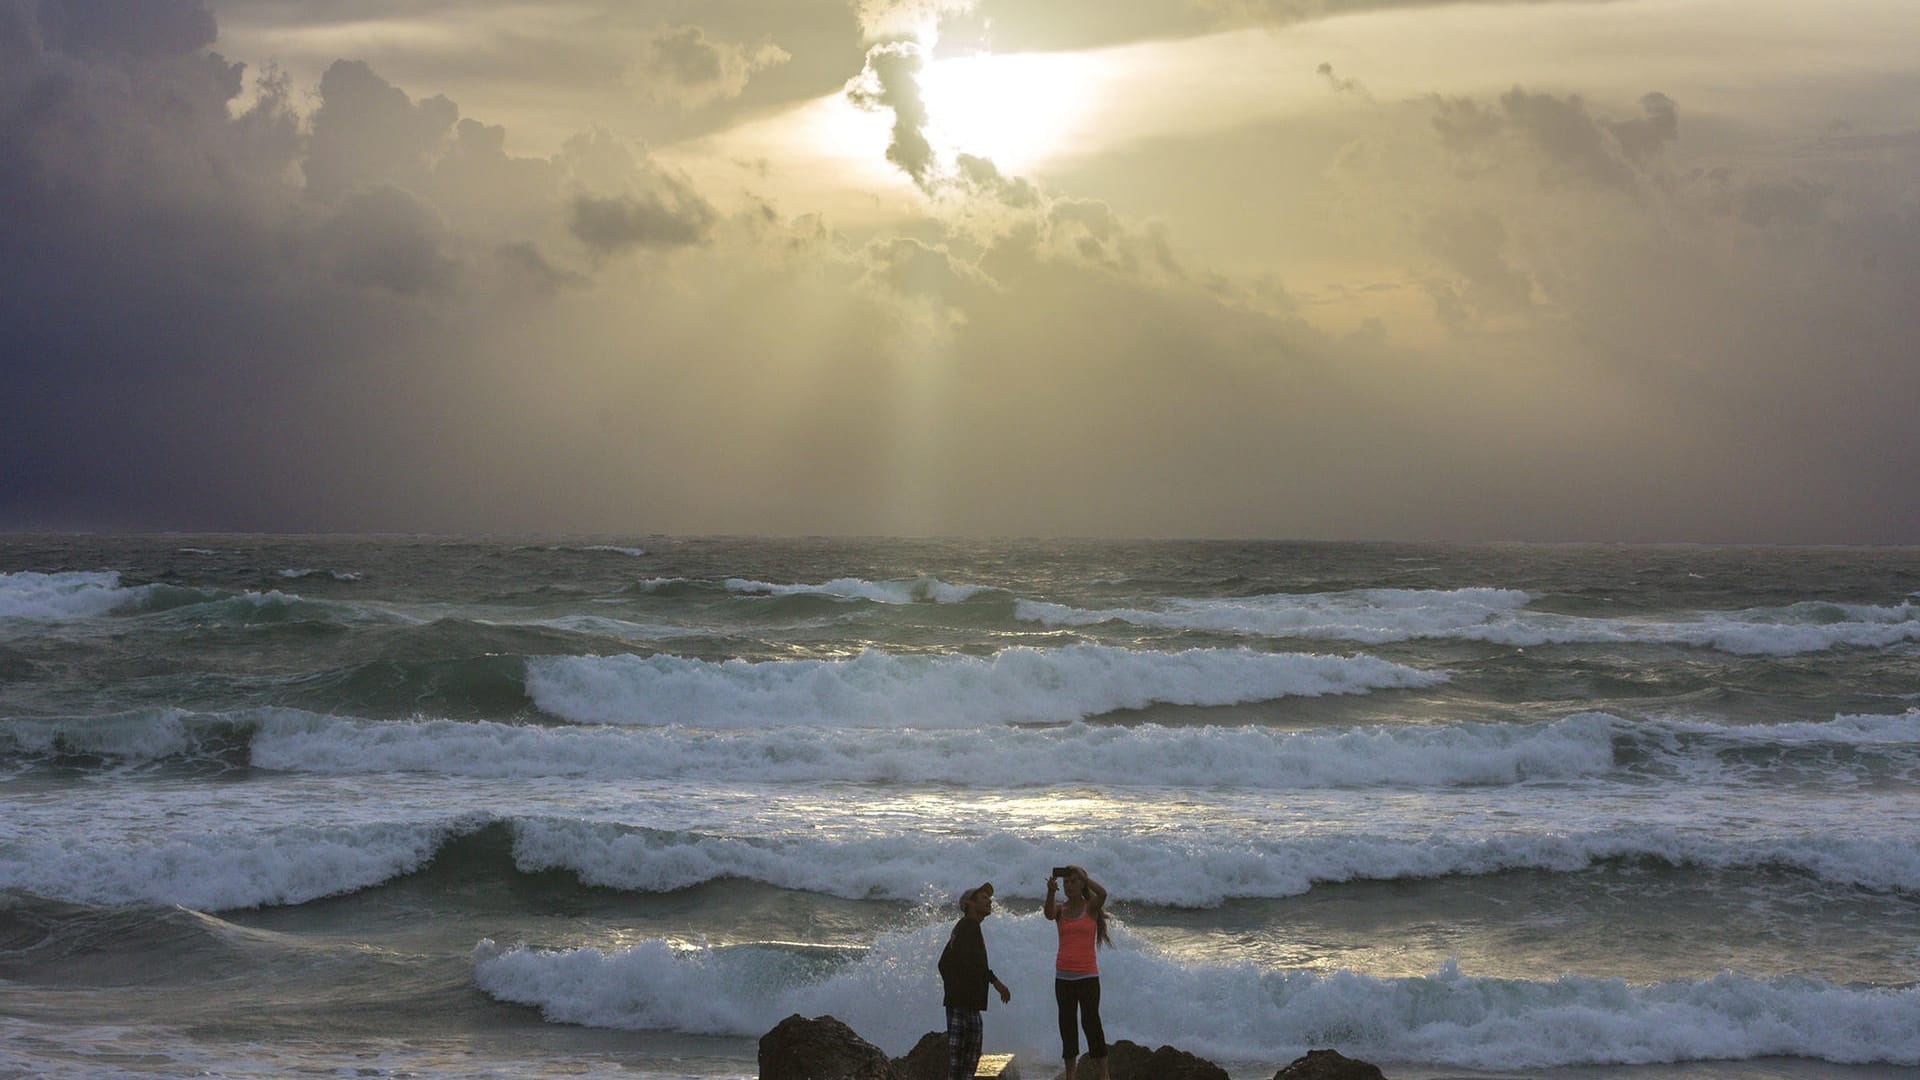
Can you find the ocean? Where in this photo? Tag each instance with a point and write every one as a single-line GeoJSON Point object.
{"type": "Point", "coordinates": [434, 807]}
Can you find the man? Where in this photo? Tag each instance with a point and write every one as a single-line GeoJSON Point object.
{"type": "Point", "coordinates": [964, 971]}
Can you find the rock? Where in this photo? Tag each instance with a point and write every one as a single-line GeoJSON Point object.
{"type": "Point", "coordinates": [1131, 1061]}
{"type": "Point", "coordinates": [926, 1061]}
{"type": "Point", "coordinates": [822, 1048]}
{"type": "Point", "coordinates": [1329, 1065]}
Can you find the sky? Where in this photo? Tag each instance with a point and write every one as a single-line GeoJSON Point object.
{"type": "Point", "coordinates": [1594, 270]}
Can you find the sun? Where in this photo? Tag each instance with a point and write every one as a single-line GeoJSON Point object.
{"type": "Point", "coordinates": [1019, 109]}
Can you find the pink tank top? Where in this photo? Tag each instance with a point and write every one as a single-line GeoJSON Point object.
{"type": "Point", "coordinates": [1076, 946]}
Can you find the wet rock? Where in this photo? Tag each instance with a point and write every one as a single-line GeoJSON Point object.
{"type": "Point", "coordinates": [1329, 1065]}
{"type": "Point", "coordinates": [926, 1061]}
{"type": "Point", "coordinates": [822, 1048]}
{"type": "Point", "coordinates": [1131, 1061]}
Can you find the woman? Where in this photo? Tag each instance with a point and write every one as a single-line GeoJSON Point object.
{"type": "Point", "coordinates": [1081, 919]}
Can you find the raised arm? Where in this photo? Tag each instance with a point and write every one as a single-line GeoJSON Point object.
{"type": "Point", "coordinates": [1096, 893]}
{"type": "Point", "coordinates": [1052, 908]}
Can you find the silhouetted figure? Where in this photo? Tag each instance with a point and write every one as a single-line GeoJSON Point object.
{"type": "Point", "coordinates": [964, 971]}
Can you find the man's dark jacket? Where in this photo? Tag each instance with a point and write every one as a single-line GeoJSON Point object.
{"type": "Point", "coordinates": [963, 967]}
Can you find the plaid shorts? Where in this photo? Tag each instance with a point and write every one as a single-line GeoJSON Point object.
{"type": "Point", "coordinates": [963, 1043]}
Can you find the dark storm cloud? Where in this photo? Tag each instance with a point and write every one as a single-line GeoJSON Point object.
{"type": "Point", "coordinates": [367, 129]}
{"type": "Point", "coordinates": [1572, 145]}
{"type": "Point", "coordinates": [891, 81]}
{"type": "Point", "coordinates": [676, 218]}
{"type": "Point", "coordinates": [247, 320]}
{"type": "Point", "coordinates": [383, 237]}
{"type": "Point", "coordinates": [145, 28]}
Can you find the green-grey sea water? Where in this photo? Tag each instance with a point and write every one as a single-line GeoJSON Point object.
{"type": "Point", "coordinates": [507, 807]}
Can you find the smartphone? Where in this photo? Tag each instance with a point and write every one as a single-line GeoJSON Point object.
{"type": "Point", "coordinates": [1061, 871]}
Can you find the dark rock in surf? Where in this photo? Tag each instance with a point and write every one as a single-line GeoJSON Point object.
{"type": "Point", "coordinates": [822, 1048]}
{"type": "Point", "coordinates": [1131, 1061]}
{"type": "Point", "coordinates": [1329, 1065]}
{"type": "Point", "coordinates": [926, 1061]}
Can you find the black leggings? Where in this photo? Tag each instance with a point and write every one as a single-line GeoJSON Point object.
{"type": "Point", "coordinates": [1082, 995]}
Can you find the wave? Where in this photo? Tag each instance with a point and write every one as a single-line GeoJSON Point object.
{"type": "Point", "coordinates": [877, 689]}
{"type": "Point", "coordinates": [598, 626]}
{"type": "Point", "coordinates": [1185, 872]}
{"type": "Point", "coordinates": [138, 737]}
{"type": "Point", "coordinates": [225, 870]}
{"type": "Point", "coordinates": [1237, 1013]}
{"type": "Point", "coordinates": [587, 549]}
{"type": "Point", "coordinates": [69, 596]}
{"type": "Point", "coordinates": [1846, 750]}
{"type": "Point", "coordinates": [45, 940]}
{"type": "Point", "coordinates": [1501, 617]}
{"type": "Point", "coordinates": [200, 607]}
{"type": "Point", "coordinates": [919, 590]}
{"type": "Point", "coordinates": [29, 595]}
{"type": "Point", "coordinates": [228, 870]}
{"type": "Point", "coordinates": [1124, 757]}
{"type": "Point", "coordinates": [306, 572]}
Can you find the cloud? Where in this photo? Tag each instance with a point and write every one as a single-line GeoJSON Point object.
{"type": "Point", "coordinates": [906, 19]}
{"type": "Point", "coordinates": [219, 316]}
{"type": "Point", "coordinates": [981, 176]}
{"type": "Point", "coordinates": [890, 80]}
{"type": "Point", "coordinates": [681, 64]}
{"type": "Point", "coordinates": [383, 237]}
{"type": "Point", "coordinates": [1571, 145]}
{"type": "Point", "coordinates": [368, 130]}
{"type": "Point", "coordinates": [147, 28]}
{"type": "Point", "coordinates": [1287, 12]}
{"type": "Point", "coordinates": [1343, 86]}
{"type": "Point", "coordinates": [620, 223]}
{"type": "Point", "coordinates": [1471, 243]}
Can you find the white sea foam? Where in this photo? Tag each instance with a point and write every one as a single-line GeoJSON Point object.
{"type": "Point", "coordinates": [600, 625]}
{"type": "Point", "coordinates": [146, 735]}
{"type": "Point", "coordinates": [1499, 616]}
{"type": "Point", "coordinates": [1139, 756]}
{"type": "Point", "coordinates": [221, 871]}
{"type": "Point", "coordinates": [1236, 1013]}
{"type": "Point", "coordinates": [296, 573]}
{"type": "Point", "coordinates": [1860, 729]}
{"type": "Point", "coordinates": [877, 689]}
{"type": "Point", "coordinates": [918, 590]}
{"type": "Point", "coordinates": [63, 596]}
{"type": "Point", "coordinates": [658, 583]}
